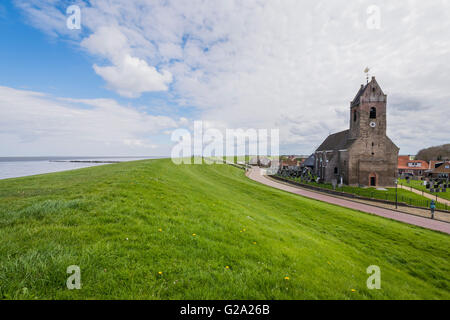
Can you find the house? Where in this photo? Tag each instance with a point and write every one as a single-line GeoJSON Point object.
{"type": "Point", "coordinates": [441, 170]}
{"type": "Point", "coordinates": [407, 166]}
{"type": "Point", "coordinates": [363, 154]}
{"type": "Point", "coordinates": [253, 161]}
{"type": "Point", "coordinates": [264, 162]}
{"type": "Point", "coordinates": [260, 161]}
{"type": "Point", "coordinates": [290, 164]}
{"type": "Point", "coordinates": [434, 164]}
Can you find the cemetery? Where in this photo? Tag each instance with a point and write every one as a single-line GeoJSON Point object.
{"type": "Point", "coordinates": [435, 186]}
{"type": "Point", "coordinates": [306, 178]}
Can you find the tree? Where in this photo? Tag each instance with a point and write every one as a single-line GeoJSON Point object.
{"type": "Point", "coordinates": [441, 152]}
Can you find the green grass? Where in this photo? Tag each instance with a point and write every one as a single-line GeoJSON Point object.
{"type": "Point", "coordinates": [106, 220]}
{"type": "Point", "coordinates": [419, 186]}
{"type": "Point", "coordinates": [405, 196]}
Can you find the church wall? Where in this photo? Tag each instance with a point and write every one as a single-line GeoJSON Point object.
{"type": "Point", "coordinates": [344, 166]}
{"type": "Point", "coordinates": [330, 161]}
{"type": "Point", "coordinates": [383, 162]}
{"type": "Point", "coordinates": [333, 162]}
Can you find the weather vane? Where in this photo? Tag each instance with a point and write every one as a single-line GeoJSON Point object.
{"type": "Point", "coordinates": [366, 71]}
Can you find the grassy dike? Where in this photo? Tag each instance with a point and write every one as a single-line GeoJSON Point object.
{"type": "Point", "coordinates": [125, 223]}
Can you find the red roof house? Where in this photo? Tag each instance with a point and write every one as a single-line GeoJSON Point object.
{"type": "Point", "coordinates": [407, 165]}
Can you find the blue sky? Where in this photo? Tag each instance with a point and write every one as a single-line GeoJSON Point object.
{"type": "Point", "coordinates": [138, 70]}
{"type": "Point", "coordinates": [33, 60]}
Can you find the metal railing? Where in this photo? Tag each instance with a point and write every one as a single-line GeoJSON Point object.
{"type": "Point", "coordinates": [370, 194]}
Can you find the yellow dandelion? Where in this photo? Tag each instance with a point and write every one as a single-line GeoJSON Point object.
{"type": "Point", "coordinates": [194, 234]}
{"type": "Point", "coordinates": [353, 290]}
{"type": "Point", "coordinates": [160, 272]}
{"type": "Point", "coordinates": [160, 230]}
{"type": "Point", "coordinates": [227, 267]}
{"type": "Point", "coordinates": [254, 242]}
{"type": "Point", "coordinates": [286, 278]}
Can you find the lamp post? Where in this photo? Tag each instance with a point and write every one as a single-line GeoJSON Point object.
{"type": "Point", "coordinates": [396, 194]}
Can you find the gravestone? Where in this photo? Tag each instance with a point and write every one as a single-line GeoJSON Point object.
{"type": "Point", "coordinates": [334, 183]}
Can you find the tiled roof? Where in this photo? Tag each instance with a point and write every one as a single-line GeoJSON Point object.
{"type": "Point", "coordinates": [443, 168]}
{"type": "Point", "coordinates": [290, 163]}
{"type": "Point", "coordinates": [356, 101]}
{"type": "Point", "coordinates": [404, 160]}
{"type": "Point", "coordinates": [336, 141]}
{"type": "Point", "coordinates": [434, 163]}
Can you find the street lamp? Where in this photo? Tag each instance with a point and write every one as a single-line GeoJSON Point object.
{"type": "Point", "coordinates": [396, 194]}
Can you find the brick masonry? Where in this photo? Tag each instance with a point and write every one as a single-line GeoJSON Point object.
{"type": "Point", "coordinates": [367, 157]}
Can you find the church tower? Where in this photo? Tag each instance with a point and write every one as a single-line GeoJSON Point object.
{"type": "Point", "coordinates": [363, 155]}
{"type": "Point", "coordinates": [368, 112]}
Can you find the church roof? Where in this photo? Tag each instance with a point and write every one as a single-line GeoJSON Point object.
{"type": "Point", "coordinates": [310, 161]}
{"type": "Point", "coordinates": [336, 141]}
{"type": "Point", "coordinates": [356, 101]}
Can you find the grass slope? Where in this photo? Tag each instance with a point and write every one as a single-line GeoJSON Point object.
{"type": "Point", "coordinates": [125, 223]}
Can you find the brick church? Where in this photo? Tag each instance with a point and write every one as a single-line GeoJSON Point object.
{"type": "Point", "coordinates": [363, 155]}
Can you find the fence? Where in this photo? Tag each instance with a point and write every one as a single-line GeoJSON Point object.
{"type": "Point", "coordinates": [369, 194]}
{"type": "Point", "coordinates": [242, 166]}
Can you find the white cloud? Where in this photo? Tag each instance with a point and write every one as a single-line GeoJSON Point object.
{"type": "Point", "coordinates": [129, 76]}
{"type": "Point", "coordinates": [133, 76]}
{"type": "Point", "coordinates": [107, 41]}
{"type": "Point", "coordinates": [38, 124]}
{"type": "Point", "coordinates": [289, 64]}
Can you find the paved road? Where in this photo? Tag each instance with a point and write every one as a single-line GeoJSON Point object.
{"type": "Point", "coordinates": [255, 174]}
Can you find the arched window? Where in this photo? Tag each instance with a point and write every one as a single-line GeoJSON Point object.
{"type": "Point", "coordinates": [373, 113]}
{"type": "Point", "coordinates": [355, 115]}
{"type": "Point", "coordinates": [336, 170]}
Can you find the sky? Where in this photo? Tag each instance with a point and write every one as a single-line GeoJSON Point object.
{"type": "Point", "coordinates": [137, 70]}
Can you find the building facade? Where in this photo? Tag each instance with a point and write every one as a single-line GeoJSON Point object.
{"type": "Point", "coordinates": [441, 170]}
{"type": "Point", "coordinates": [363, 155]}
{"type": "Point", "coordinates": [408, 166]}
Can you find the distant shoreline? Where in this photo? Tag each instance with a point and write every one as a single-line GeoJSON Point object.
{"type": "Point", "coordinates": [89, 161]}
{"type": "Point", "coordinates": [68, 158]}
{"type": "Point", "coordinates": [17, 167]}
